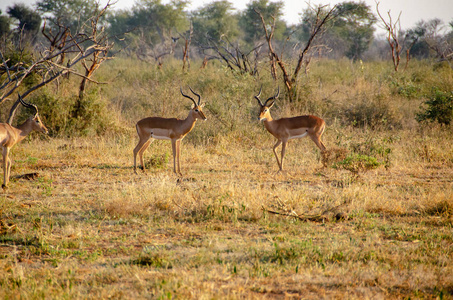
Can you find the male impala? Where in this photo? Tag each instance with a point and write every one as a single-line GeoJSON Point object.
{"type": "Point", "coordinates": [9, 136]}
{"type": "Point", "coordinates": [167, 129]}
{"type": "Point", "coordinates": [285, 129]}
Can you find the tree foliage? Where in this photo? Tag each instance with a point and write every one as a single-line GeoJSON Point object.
{"type": "Point", "coordinates": [214, 20]}
{"type": "Point", "coordinates": [69, 13]}
{"type": "Point", "coordinates": [354, 24]}
{"type": "Point", "coordinates": [251, 24]}
{"type": "Point", "coordinates": [5, 24]}
{"type": "Point", "coordinates": [438, 107]}
{"type": "Point", "coordinates": [29, 20]}
{"type": "Point", "coordinates": [158, 22]}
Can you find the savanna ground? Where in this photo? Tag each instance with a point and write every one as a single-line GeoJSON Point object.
{"type": "Point", "coordinates": [232, 227]}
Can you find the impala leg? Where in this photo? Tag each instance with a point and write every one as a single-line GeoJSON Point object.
{"type": "Point", "coordinates": [275, 153]}
{"type": "Point", "coordinates": [318, 142]}
{"type": "Point", "coordinates": [139, 149]}
{"type": "Point", "coordinates": [6, 166]}
{"type": "Point", "coordinates": [173, 147]}
{"type": "Point", "coordinates": [283, 154]}
{"type": "Point", "coordinates": [140, 153]}
{"type": "Point", "coordinates": [322, 147]}
{"type": "Point", "coordinates": [178, 152]}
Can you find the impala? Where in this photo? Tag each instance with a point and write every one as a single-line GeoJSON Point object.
{"type": "Point", "coordinates": [285, 129]}
{"type": "Point", "coordinates": [10, 136]}
{"type": "Point", "coordinates": [167, 129]}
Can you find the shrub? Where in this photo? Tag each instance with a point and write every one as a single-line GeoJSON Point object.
{"type": "Point", "coordinates": [56, 112]}
{"type": "Point", "coordinates": [439, 107]}
{"type": "Point", "coordinates": [373, 114]}
{"type": "Point", "coordinates": [357, 163]}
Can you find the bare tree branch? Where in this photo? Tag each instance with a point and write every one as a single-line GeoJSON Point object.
{"type": "Point", "coordinates": [288, 79]}
{"type": "Point", "coordinates": [393, 29]}
{"type": "Point", "coordinates": [81, 48]}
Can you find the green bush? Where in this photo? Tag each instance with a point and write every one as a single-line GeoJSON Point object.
{"type": "Point", "coordinates": [56, 113]}
{"type": "Point", "coordinates": [372, 114]}
{"type": "Point", "coordinates": [357, 163]}
{"type": "Point", "coordinates": [438, 107]}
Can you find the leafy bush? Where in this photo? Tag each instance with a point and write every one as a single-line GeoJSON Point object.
{"type": "Point", "coordinates": [438, 108]}
{"type": "Point", "coordinates": [56, 112]}
{"type": "Point", "coordinates": [378, 148]}
{"type": "Point", "coordinates": [157, 161]}
{"type": "Point", "coordinates": [357, 163]}
{"type": "Point", "coordinates": [373, 114]}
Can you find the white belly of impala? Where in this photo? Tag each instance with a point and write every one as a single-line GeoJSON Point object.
{"type": "Point", "coordinates": [157, 137]}
{"type": "Point", "coordinates": [298, 136]}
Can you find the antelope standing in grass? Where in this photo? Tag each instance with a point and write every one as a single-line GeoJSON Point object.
{"type": "Point", "coordinates": [285, 129]}
{"type": "Point", "coordinates": [10, 136]}
{"type": "Point", "coordinates": [167, 129]}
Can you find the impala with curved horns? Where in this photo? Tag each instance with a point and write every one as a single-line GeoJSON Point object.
{"type": "Point", "coordinates": [285, 129]}
{"type": "Point", "coordinates": [167, 129]}
{"type": "Point", "coordinates": [10, 136]}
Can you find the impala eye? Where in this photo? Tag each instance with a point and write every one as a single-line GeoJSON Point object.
{"type": "Point", "coordinates": [196, 110]}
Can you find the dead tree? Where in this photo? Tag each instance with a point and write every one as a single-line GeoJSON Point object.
{"type": "Point", "coordinates": [90, 64]}
{"type": "Point", "coordinates": [439, 44]}
{"type": "Point", "coordinates": [396, 43]}
{"type": "Point", "coordinates": [187, 37]}
{"type": "Point", "coordinates": [235, 58]}
{"type": "Point", "coordinates": [98, 37]}
{"type": "Point", "coordinates": [290, 79]}
{"type": "Point", "coordinates": [49, 65]}
{"type": "Point", "coordinates": [393, 29]}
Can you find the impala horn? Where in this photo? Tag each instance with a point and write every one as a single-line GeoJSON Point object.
{"type": "Point", "coordinates": [257, 97]}
{"type": "Point", "coordinates": [199, 97]}
{"type": "Point", "coordinates": [28, 105]}
{"type": "Point", "coordinates": [195, 103]}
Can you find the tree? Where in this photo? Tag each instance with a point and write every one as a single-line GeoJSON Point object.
{"type": "Point", "coordinates": [354, 23]}
{"type": "Point", "coordinates": [438, 43]}
{"type": "Point", "coordinates": [151, 27]}
{"type": "Point", "coordinates": [327, 41]}
{"type": "Point", "coordinates": [69, 13]}
{"type": "Point", "coordinates": [393, 37]}
{"type": "Point", "coordinates": [159, 21]}
{"type": "Point", "coordinates": [269, 29]}
{"type": "Point", "coordinates": [5, 24]}
{"type": "Point", "coordinates": [414, 40]}
{"type": "Point", "coordinates": [250, 22]}
{"type": "Point", "coordinates": [29, 20]}
{"type": "Point", "coordinates": [99, 37]}
{"type": "Point", "coordinates": [213, 21]}
{"type": "Point", "coordinates": [46, 65]}
{"type": "Point", "coordinates": [235, 58]}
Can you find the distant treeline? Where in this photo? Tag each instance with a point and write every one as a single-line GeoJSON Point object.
{"type": "Point", "coordinates": [154, 31]}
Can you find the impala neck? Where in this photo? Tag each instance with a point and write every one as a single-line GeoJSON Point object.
{"type": "Point", "coordinates": [189, 122]}
{"type": "Point", "coordinates": [269, 123]}
{"type": "Point", "coordinates": [23, 130]}
{"type": "Point", "coordinates": [268, 120]}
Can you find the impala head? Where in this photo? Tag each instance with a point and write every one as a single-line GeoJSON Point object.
{"type": "Point", "coordinates": [34, 121]}
{"type": "Point", "coordinates": [264, 108]}
{"type": "Point", "coordinates": [197, 108]}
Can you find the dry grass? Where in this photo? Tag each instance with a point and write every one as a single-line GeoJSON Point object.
{"type": "Point", "coordinates": [87, 227]}
{"type": "Point", "coordinates": [232, 227]}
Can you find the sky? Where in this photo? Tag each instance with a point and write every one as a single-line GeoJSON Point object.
{"type": "Point", "coordinates": [411, 11]}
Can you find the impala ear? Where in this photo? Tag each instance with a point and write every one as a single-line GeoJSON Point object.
{"type": "Point", "coordinates": [201, 105]}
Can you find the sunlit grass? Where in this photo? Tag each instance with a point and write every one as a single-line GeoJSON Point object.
{"type": "Point", "coordinates": [232, 226]}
